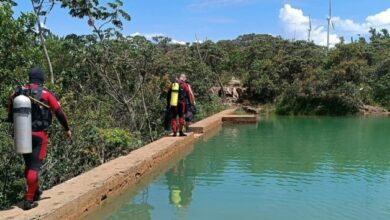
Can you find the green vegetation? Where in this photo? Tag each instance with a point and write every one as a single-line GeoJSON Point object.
{"type": "Point", "coordinates": [300, 78]}
{"type": "Point", "coordinates": [113, 87]}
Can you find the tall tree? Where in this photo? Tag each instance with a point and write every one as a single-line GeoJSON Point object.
{"type": "Point", "coordinates": [42, 8]}
{"type": "Point", "coordinates": [98, 18]}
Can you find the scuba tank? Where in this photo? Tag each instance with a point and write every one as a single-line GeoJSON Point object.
{"type": "Point", "coordinates": [22, 124]}
{"type": "Point", "coordinates": [175, 94]}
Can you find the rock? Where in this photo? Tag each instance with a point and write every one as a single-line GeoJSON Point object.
{"type": "Point", "coordinates": [215, 90]}
{"type": "Point", "coordinates": [233, 92]}
{"type": "Point", "coordinates": [235, 82]}
{"type": "Point", "coordinates": [373, 110]}
{"type": "Point", "coordinates": [241, 91]}
{"type": "Point", "coordinates": [228, 91]}
{"type": "Point", "coordinates": [251, 110]}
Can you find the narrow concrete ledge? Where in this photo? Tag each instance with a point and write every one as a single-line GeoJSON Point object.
{"type": "Point", "coordinates": [240, 118]}
{"type": "Point", "coordinates": [76, 197]}
{"type": "Point", "coordinates": [211, 122]}
{"type": "Point", "coordinates": [83, 194]}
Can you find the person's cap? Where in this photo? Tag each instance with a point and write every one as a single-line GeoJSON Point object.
{"type": "Point", "coordinates": [36, 76]}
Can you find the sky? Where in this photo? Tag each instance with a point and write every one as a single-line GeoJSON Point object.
{"type": "Point", "coordinates": [188, 20]}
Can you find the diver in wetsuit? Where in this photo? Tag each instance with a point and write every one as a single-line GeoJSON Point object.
{"type": "Point", "coordinates": [41, 111]}
{"type": "Point", "coordinates": [179, 96]}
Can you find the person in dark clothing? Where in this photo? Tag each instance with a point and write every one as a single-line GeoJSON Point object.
{"type": "Point", "coordinates": [179, 95]}
{"type": "Point", "coordinates": [42, 108]}
{"type": "Point", "coordinates": [191, 110]}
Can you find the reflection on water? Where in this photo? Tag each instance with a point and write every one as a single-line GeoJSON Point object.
{"type": "Point", "coordinates": [180, 185]}
{"type": "Point", "coordinates": [283, 168]}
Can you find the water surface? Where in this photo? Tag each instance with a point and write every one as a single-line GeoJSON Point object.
{"type": "Point", "coordinates": [283, 168]}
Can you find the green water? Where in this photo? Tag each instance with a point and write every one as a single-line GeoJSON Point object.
{"type": "Point", "coordinates": [283, 168]}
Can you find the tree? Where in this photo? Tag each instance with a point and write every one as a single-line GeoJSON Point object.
{"type": "Point", "coordinates": [39, 10]}
{"type": "Point", "coordinates": [17, 54]}
{"type": "Point", "coordinates": [90, 8]}
{"type": "Point", "coordinates": [112, 14]}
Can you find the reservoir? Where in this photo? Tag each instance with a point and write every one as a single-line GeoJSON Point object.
{"type": "Point", "coordinates": [292, 168]}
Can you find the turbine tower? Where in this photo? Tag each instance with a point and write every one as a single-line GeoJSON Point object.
{"type": "Point", "coordinates": [329, 25]}
{"type": "Point", "coordinates": [309, 31]}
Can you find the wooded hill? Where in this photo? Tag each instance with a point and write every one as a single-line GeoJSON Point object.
{"type": "Point", "coordinates": [113, 87]}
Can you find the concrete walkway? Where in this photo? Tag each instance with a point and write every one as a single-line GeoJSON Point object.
{"type": "Point", "coordinates": [79, 196]}
{"type": "Point", "coordinates": [240, 118]}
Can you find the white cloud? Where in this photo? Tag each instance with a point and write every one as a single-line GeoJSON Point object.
{"type": "Point", "coordinates": [289, 14]}
{"type": "Point", "coordinates": [43, 26]}
{"type": "Point", "coordinates": [149, 36]}
{"type": "Point", "coordinates": [135, 34]}
{"type": "Point", "coordinates": [296, 23]}
{"type": "Point", "coordinates": [178, 42]}
{"type": "Point", "coordinates": [348, 25]}
{"type": "Point", "coordinates": [379, 21]}
{"type": "Point", "coordinates": [382, 18]}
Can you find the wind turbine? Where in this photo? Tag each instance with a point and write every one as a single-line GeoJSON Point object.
{"type": "Point", "coordinates": [330, 23]}
{"type": "Point", "coordinates": [309, 31]}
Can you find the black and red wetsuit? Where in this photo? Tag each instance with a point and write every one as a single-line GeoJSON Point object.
{"type": "Point", "coordinates": [33, 161]}
{"type": "Point", "coordinates": [181, 109]}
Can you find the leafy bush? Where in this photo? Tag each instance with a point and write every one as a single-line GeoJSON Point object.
{"type": "Point", "coordinates": [112, 87]}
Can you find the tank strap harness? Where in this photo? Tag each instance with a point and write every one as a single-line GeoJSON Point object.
{"type": "Point", "coordinates": [33, 95]}
{"type": "Point", "coordinates": [41, 113]}
{"type": "Point", "coordinates": [22, 110]}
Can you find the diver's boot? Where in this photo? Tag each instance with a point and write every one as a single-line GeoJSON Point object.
{"type": "Point", "coordinates": [27, 205]}
{"type": "Point", "coordinates": [37, 195]}
{"type": "Point", "coordinates": [182, 134]}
